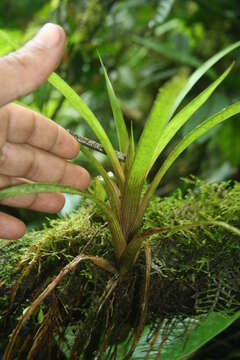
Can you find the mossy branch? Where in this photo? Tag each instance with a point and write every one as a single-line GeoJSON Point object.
{"type": "Point", "coordinates": [194, 239]}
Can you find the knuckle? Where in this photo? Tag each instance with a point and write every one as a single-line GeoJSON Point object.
{"type": "Point", "coordinates": [84, 180]}
{"type": "Point", "coordinates": [32, 127]}
{"type": "Point", "coordinates": [4, 125]}
{"type": "Point", "coordinates": [87, 179]}
{"type": "Point", "coordinates": [3, 157]}
{"type": "Point", "coordinates": [24, 60]}
{"type": "Point", "coordinates": [60, 179]}
{"type": "Point", "coordinates": [31, 201]}
{"type": "Point", "coordinates": [5, 181]}
{"type": "Point", "coordinates": [54, 141]}
{"type": "Point", "coordinates": [16, 58]}
{"type": "Point", "coordinates": [32, 170]}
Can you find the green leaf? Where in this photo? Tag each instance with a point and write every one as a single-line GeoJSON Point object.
{"type": "Point", "coordinates": [228, 142]}
{"type": "Point", "coordinates": [189, 139]}
{"type": "Point", "coordinates": [118, 240]}
{"type": "Point", "coordinates": [154, 137]}
{"type": "Point", "coordinates": [99, 191]}
{"type": "Point", "coordinates": [200, 72]}
{"type": "Point", "coordinates": [146, 147]}
{"type": "Point", "coordinates": [130, 253]}
{"type": "Point", "coordinates": [122, 134]}
{"type": "Point", "coordinates": [153, 141]}
{"type": "Point", "coordinates": [179, 348]}
{"type": "Point", "coordinates": [111, 188]}
{"type": "Point", "coordinates": [130, 154]}
{"type": "Point", "coordinates": [90, 118]}
{"type": "Point", "coordinates": [25, 189]}
{"type": "Point", "coordinates": [184, 115]}
{"type": "Point", "coordinates": [7, 42]}
{"type": "Point", "coordinates": [155, 124]}
{"type": "Point", "coordinates": [153, 129]}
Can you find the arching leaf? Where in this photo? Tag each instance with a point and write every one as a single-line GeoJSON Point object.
{"type": "Point", "coordinates": [122, 134]}
{"type": "Point", "coordinates": [77, 102]}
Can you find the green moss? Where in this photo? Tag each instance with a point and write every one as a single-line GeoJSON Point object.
{"type": "Point", "coordinates": [199, 261]}
{"type": "Point", "coordinates": [10, 254]}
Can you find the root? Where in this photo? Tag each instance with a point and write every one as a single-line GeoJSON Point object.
{"type": "Point", "coordinates": [82, 340]}
{"type": "Point", "coordinates": [38, 301]}
{"type": "Point", "coordinates": [144, 302]}
{"type": "Point", "coordinates": [88, 311]}
{"type": "Point", "coordinates": [154, 339]}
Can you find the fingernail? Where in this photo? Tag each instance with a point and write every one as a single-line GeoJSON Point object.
{"type": "Point", "coordinates": [49, 36]}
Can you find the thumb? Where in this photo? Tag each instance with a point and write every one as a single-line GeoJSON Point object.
{"type": "Point", "coordinates": [23, 71]}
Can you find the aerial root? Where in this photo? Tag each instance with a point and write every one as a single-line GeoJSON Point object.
{"type": "Point", "coordinates": [82, 341]}
{"type": "Point", "coordinates": [144, 302]}
{"type": "Point", "coordinates": [154, 338]}
{"type": "Point", "coordinates": [100, 262]}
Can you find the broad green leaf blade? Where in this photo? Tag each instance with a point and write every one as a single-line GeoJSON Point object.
{"type": "Point", "coordinates": [189, 139]}
{"type": "Point", "coordinates": [90, 118]}
{"type": "Point", "coordinates": [118, 240]}
{"type": "Point", "coordinates": [200, 72]}
{"type": "Point", "coordinates": [184, 115]}
{"type": "Point", "coordinates": [111, 188]}
{"type": "Point", "coordinates": [122, 134]}
{"type": "Point", "coordinates": [186, 336]}
{"type": "Point", "coordinates": [180, 348]}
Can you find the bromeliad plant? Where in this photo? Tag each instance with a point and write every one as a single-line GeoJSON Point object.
{"type": "Point", "coordinates": [127, 196]}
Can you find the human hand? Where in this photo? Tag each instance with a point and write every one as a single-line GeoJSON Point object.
{"type": "Point", "coordinates": [32, 147]}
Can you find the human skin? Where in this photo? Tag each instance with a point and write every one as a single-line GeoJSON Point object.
{"type": "Point", "coordinates": [32, 147]}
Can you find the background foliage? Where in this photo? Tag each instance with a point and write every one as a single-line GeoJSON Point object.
{"type": "Point", "coordinates": [142, 43]}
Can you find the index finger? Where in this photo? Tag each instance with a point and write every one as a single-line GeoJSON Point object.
{"type": "Point", "coordinates": [20, 125]}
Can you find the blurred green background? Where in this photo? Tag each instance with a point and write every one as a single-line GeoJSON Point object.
{"type": "Point", "coordinates": [143, 43]}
